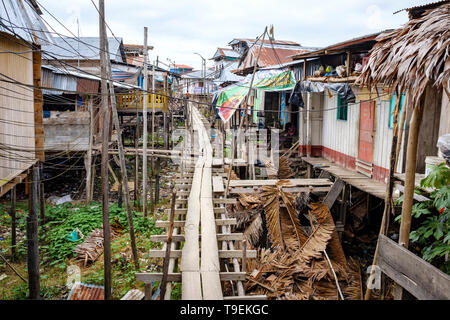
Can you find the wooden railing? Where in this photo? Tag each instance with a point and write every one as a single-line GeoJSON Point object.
{"type": "Point", "coordinates": [133, 101]}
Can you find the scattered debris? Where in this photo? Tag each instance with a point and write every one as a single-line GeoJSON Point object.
{"type": "Point", "coordinates": [54, 200]}
{"type": "Point", "coordinates": [92, 247]}
{"type": "Point", "coordinates": [133, 294]}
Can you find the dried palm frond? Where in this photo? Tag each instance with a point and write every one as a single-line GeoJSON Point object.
{"type": "Point", "coordinates": [253, 232]}
{"type": "Point", "coordinates": [272, 197]}
{"type": "Point", "coordinates": [353, 290]}
{"type": "Point", "coordinates": [412, 57]}
{"type": "Point", "coordinates": [321, 235]}
{"type": "Point", "coordinates": [271, 200]}
{"type": "Point", "coordinates": [283, 171]}
{"type": "Point", "coordinates": [233, 175]}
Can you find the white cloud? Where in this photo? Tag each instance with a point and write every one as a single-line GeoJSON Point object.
{"type": "Point", "coordinates": [178, 28]}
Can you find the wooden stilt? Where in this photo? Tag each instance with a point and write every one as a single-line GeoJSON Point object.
{"type": "Point", "coordinates": [41, 196]}
{"type": "Point", "coordinates": [105, 155]}
{"type": "Point", "coordinates": [32, 238]}
{"type": "Point", "coordinates": [12, 213]}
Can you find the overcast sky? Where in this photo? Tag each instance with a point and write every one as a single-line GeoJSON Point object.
{"type": "Point", "coordinates": [178, 28]}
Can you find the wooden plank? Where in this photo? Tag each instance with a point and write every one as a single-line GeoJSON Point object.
{"type": "Point", "coordinates": [240, 298]}
{"type": "Point", "coordinates": [417, 197]}
{"type": "Point", "coordinates": [225, 254]}
{"type": "Point", "coordinates": [272, 182]}
{"type": "Point", "coordinates": [177, 277]}
{"type": "Point", "coordinates": [293, 190]}
{"type": "Point", "coordinates": [421, 279]}
{"type": "Point", "coordinates": [336, 189]}
{"type": "Point", "coordinates": [217, 183]}
{"type": "Point", "coordinates": [185, 211]}
{"type": "Point", "coordinates": [219, 222]}
{"type": "Point", "coordinates": [180, 238]}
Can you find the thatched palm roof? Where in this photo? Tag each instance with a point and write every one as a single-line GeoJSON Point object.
{"type": "Point", "coordinates": [414, 56]}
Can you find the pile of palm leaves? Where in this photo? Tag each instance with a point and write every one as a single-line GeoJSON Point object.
{"type": "Point", "coordinates": [303, 261]}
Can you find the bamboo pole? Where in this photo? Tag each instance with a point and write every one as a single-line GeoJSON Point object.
{"type": "Point", "coordinates": [410, 177]}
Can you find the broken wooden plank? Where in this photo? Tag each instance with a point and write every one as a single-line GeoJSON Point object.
{"type": "Point", "coordinates": [336, 189]}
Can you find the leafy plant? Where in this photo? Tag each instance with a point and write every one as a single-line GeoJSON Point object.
{"type": "Point", "coordinates": [433, 232]}
{"type": "Point", "coordinates": [64, 219]}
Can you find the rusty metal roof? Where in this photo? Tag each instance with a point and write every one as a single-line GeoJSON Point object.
{"type": "Point", "coordinates": [83, 291]}
{"type": "Point", "coordinates": [269, 57]}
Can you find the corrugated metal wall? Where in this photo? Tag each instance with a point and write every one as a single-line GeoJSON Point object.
{"type": "Point", "coordinates": [338, 135]}
{"type": "Point", "coordinates": [17, 141]}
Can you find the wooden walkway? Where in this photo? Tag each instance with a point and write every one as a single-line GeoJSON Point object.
{"type": "Point", "coordinates": [353, 178]}
{"type": "Point", "coordinates": [200, 213]}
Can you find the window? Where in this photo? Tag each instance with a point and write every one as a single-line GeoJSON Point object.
{"type": "Point", "coordinates": [392, 107]}
{"type": "Point", "coordinates": [342, 108]}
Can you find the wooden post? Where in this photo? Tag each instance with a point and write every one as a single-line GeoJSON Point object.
{"type": "Point", "coordinates": [168, 245]}
{"type": "Point", "coordinates": [136, 163]}
{"type": "Point", "coordinates": [38, 105]}
{"type": "Point", "coordinates": [88, 158]}
{"type": "Point", "coordinates": [148, 291]}
{"type": "Point", "coordinates": [244, 256]}
{"type": "Point", "coordinates": [410, 179]}
{"type": "Point", "coordinates": [124, 175]}
{"type": "Point", "coordinates": [145, 128]}
{"type": "Point", "coordinates": [157, 178]}
{"type": "Point", "coordinates": [41, 195]}
{"type": "Point", "coordinates": [12, 213]}
{"type": "Point", "coordinates": [308, 124]}
{"type": "Point", "coordinates": [245, 113]}
{"type": "Point", "coordinates": [105, 156]}
{"type": "Point", "coordinates": [152, 203]}
{"type": "Point", "coordinates": [32, 238]}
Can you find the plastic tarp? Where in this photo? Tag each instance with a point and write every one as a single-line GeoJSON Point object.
{"type": "Point", "coordinates": [343, 89]}
{"type": "Point", "coordinates": [266, 80]}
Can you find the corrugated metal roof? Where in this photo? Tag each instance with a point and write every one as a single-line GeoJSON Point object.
{"type": "Point", "coordinates": [87, 48]}
{"type": "Point", "coordinates": [424, 6]}
{"type": "Point", "coordinates": [20, 19]}
{"type": "Point", "coordinates": [269, 57]}
{"type": "Point", "coordinates": [341, 45]}
{"type": "Point", "coordinates": [82, 291]}
{"type": "Point", "coordinates": [226, 52]}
